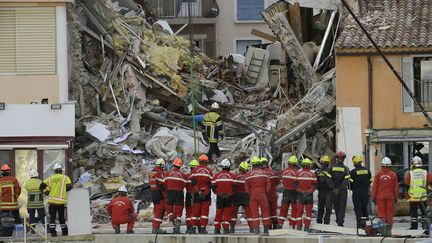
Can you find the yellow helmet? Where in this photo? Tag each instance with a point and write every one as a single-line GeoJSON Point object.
{"type": "Point", "coordinates": [255, 160]}
{"type": "Point", "coordinates": [307, 161]}
{"type": "Point", "coordinates": [264, 160]}
{"type": "Point", "coordinates": [292, 160]}
{"type": "Point", "coordinates": [325, 159]}
{"type": "Point", "coordinates": [194, 163]}
{"type": "Point", "coordinates": [244, 165]}
{"type": "Point", "coordinates": [357, 159]}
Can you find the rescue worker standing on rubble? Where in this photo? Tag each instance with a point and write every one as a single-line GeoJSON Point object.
{"type": "Point", "coordinates": [340, 176]}
{"type": "Point", "coordinates": [325, 187]}
{"type": "Point", "coordinates": [241, 198]}
{"type": "Point", "coordinates": [56, 187]}
{"type": "Point", "coordinates": [417, 180]}
{"type": "Point", "coordinates": [272, 196]}
{"type": "Point", "coordinates": [34, 200]}
{"type": "Point", "coordinates": [175, 182]}
{"type": "Point", "coordinates": [223, 185]}
{"type": "Point", "coordinates": [306, 185]}
{"type": "Point", "coordinates": [289, 196]}
{"type": "Point", "coordinates": [189, 199]}
{"type": "Point", "coordinates": [214, 132]}
{"type": "Point", "coordinates": [361, 179]}
{"type": "Point", "coordinates": [385, 191]}
{"type": "Point", "coordinates": [201, 181]}
{"type": "Point", "coordinates": [258, 186]}
{"type": "Point", "coordinates": [121, 210]}
{"type": "Point", "coordinates": [158, 197]}
{"type": "Point", "coordinates": [9, 192]}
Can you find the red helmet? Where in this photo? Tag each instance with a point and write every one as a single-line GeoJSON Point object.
{"type": "Point", "coordinates": [178, 162]}
{"type": "Point", "coordinates": [204, 158]}
{"type": "Point", "coordinates": [340, 155]}
{"type": "Point", "coordinates": [5, 167]}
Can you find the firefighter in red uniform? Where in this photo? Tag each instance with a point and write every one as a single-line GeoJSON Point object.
{"type": "Point", "coordinates": [122, 211]}
{"type": "Point", "coordinates": [241, 198]}
{"type": "Point", "coordinates": [385, 191]}
{"type": "Point", "coordinates": [201, 181]}
{"type": "Point", "coordinates": [223, 185]}
{"type": "Point", "coordinates": [289, 194]}
{"type": "Point", "coordinates": [258, 186]}
{"type": "Point", "coordinates": [158, 197]}
{"type": "Point", "coordinates": [175, 182]}
{"type": "Point", "coordinates": [306, 185]}
{"type": "Point", "coordinates": [272, 196]}
{"type": "Point", "coordinates": [189, 199]}
{"type": "Point", "coordinates": [9, 192]}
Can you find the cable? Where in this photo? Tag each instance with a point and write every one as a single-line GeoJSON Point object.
{"type": "Point", "coordinates": [383, 239]}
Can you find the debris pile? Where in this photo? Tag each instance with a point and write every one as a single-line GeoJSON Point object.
{"type": "Point", "coordinates": [137, 83]}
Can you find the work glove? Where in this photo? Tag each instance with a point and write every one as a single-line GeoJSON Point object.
{"type": "Point", "coordinates": [305, 194]}
{"type": "Point", "coordinates": [224, 195]}
{"type": "Point", "coordinates": [200, 195]}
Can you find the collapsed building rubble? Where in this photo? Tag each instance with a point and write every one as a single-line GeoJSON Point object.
{"type": "Point", "coordinates": [133, 80]}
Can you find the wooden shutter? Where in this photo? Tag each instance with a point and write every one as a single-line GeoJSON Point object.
{"type": "Point", "coordinates": [36, 40]}
{"type": "Point", "coordinates": [7, 41]}
{"type": "Point", "coordinates": [407, 68]}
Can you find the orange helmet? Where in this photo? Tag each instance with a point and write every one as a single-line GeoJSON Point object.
{"type": "Point", "coordinates": [178, 162]}
{"type": "Point", "coordinates": [204, 158]}
{"type": "Point", "coordinates": [5, 167]}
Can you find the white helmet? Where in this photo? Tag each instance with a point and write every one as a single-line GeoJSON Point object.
{"type": "Point", "coordinates": [417, 161]}
{"type": "Point", "coordinates": [226, 163]}
{"type": "Point", "coordinates": [386, 161]}
{"type": "Point", "coordinates": [122, 189]}
{"type": "Point", "coordinates": [215, 106]}
{"type": "Point", "coordinates": [160, 162]}
{"type": "Point", "coordinates": [57, 166]}
{"type": "Point", "coordinates": [33, 173]}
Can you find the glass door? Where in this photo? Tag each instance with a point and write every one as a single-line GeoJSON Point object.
{"type": "Point", "coordinates": [25, 160]}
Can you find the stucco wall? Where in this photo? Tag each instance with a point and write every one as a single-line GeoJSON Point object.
{"type": "Point", "coordinates": [26, 89]}
{"type": "Point", "coordinates": [228, 29]}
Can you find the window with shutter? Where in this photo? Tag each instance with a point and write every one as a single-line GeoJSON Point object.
{"type": "Point", "coordinates": [408, 77]}
{"type": "Point", "coordinates": [249, 9]}
{"type": "Point", "coordinates": [27, 41]}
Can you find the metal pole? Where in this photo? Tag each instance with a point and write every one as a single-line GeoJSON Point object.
{"type": "Point", "coordinates": [192, 78]}
{"type": "Point", "coordinates": [25, 230]}
{"type": "Point", "coordinates": [404, 85]}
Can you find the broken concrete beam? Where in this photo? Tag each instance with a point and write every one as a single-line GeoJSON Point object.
{"type": "Point", "coordinates": [303, 70]}
{"type": "Point", "coordinates": [98, 131]}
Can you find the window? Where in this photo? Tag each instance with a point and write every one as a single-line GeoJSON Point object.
{"type": "Point", "coordinates": [50, 157]}
{"type": "Point", "coordinates": [27, 41]}
{"type": "Point", "coordinates": [417, 74]}
{"type": "Point", "coordinates": [248, 10]}
{"type": "Point", "coordinates": [241, 45]}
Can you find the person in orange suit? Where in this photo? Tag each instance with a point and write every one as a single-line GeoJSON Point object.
{"type": "Point", "coordinates": [272, 196]}
{"type": "Point", "coordinates": [306, 185]}
{"type": "Point", "coordinates": [122, 211]}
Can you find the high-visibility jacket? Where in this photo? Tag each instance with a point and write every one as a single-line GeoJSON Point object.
{"type": "Point", "coordinates": [175, 180]}
{"type": "Point", "coordinates": [57, 184]}
{"type": "Point", "coordinates": [10, 191]}
{"type": "Point", "coordinates": [34, 195]}
{"type": "Point", "coordinates": [289, 177]}
{"type": "Point", "coordinates": [417, 180]}
{"type": "Point", "coordinates": [213, 126]}
{"type": "Point", "coordinates": [224, 182]}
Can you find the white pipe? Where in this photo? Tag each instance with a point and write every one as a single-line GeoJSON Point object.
{"type": "Point", "coordinates": [46, 229]}
{"type": "Point", "coordinates": [323, 43]}
{"type": "Point", "coordinates": [25, 230]}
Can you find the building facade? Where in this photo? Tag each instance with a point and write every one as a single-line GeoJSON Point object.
{"type": "Point", "coordinates": [37, 121]}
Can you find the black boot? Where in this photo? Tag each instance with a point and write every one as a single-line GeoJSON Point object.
{"type": "Point", "coordinates": [130, 232]}
{"type": "Point", "coordinates": [266, 230]}
{"type": "Point", "coordinates": [202, 230]}
{"type": "Point", "coordinates": [53, 233]}
{"type": "Point", "coordinates": [226, 231]}
{"type": "Point", "coordinates": [193, 230]}
{"type": "Point", "coordinates": [257, 231]}
{"type": "Point", "coordinates": [117, 230]}
{"type": "Point", "coordinates": [188, 229]}
{"type": "Point", "coordinates": [176, 229]}
{"type": "Point", "coordinates": [307, 229]}
{"type": "Point", "coordinates": [279, 226]}
{"type": "Point", "coordinates": [65, 231]}
{"type": "Point", "coordinates": [232, 229]}
{"type": "Point", "coordinates": [251, 230]}
{"type": "Point", "coordinates": [158, 230]}
{"type": "Point", "coordinates": [276, 226]}
{"type": "Point", "coordinates": [299, 227]}
{"type": "Point", "coordinates": [217, 231]}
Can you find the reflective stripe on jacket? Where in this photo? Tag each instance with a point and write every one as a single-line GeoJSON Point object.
{"type": "Point", "coordinates": [418, 183]}
{"type": "Point", "coordinates": [213, 126]}
{"type": "Point", "coordinates": [57, 184]}
{"type": "Point", "coordinates": [34, 195]}
{"type": "Point", "coordinates": [10, 191]}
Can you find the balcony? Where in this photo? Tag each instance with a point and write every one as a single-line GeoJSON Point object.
{"type": "Point", "coordinates": [423, 93]}
{"type": "Point", "coordinates": [177, 11]}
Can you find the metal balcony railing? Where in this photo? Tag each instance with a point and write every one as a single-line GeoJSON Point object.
{"type": "Point", "coordinates": [424, 94]}
{"type": "Point", "coordinates": [170, 9]}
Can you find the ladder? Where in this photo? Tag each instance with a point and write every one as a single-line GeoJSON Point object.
{"type": "Point", "coordinates": [255, 67]}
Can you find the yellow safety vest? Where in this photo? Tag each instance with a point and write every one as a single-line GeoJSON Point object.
{"type": "Point", "coordinates": [57, 188]}
{"type": "Point", "coordinates": [211, 122]}
{"type": "Point", "coordinates": [418, 181]}
{"type": "Point", "coordinates": [34, 195]}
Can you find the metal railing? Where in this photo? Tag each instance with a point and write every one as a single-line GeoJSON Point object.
{"type": "Point", "coordinates": [170, 9]}
{"type": "Point", "coordinates": [424, 94]}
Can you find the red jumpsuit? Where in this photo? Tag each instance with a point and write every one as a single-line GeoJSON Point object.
{"type": "Point", "coordinates": [201, 180]}
{"type": "Point", "coordinates": [122, 211]}
{"type": "Point", "coordinates": [289, 195]}
{"type": "Point", "coordinates": [258, 185]}
{"type": "Point", "coordinates": [272, 195]}
{"type": "Point", "coordinates": [188, 202]}
{"type": "Point", "coordinates": [223, 184]}
{"type": "Point", "coordinates": [385, 193]}
{"type": "Point", "coordinates": [306, 185]}
{"type": "Point", "coordinates": [156, 187]}
{"type": "Point", "coordinates": [175, 182]}
{"type": "Point", "coordinates": [241, 198]}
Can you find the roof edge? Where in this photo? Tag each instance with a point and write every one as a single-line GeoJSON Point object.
{"type": "Point", "coordinates": [373, 51]}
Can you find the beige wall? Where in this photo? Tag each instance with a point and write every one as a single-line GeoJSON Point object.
{"type": "Point", "coordinates": [26, 89]}
{"type": "Point", "coordinates": [228, 29]}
